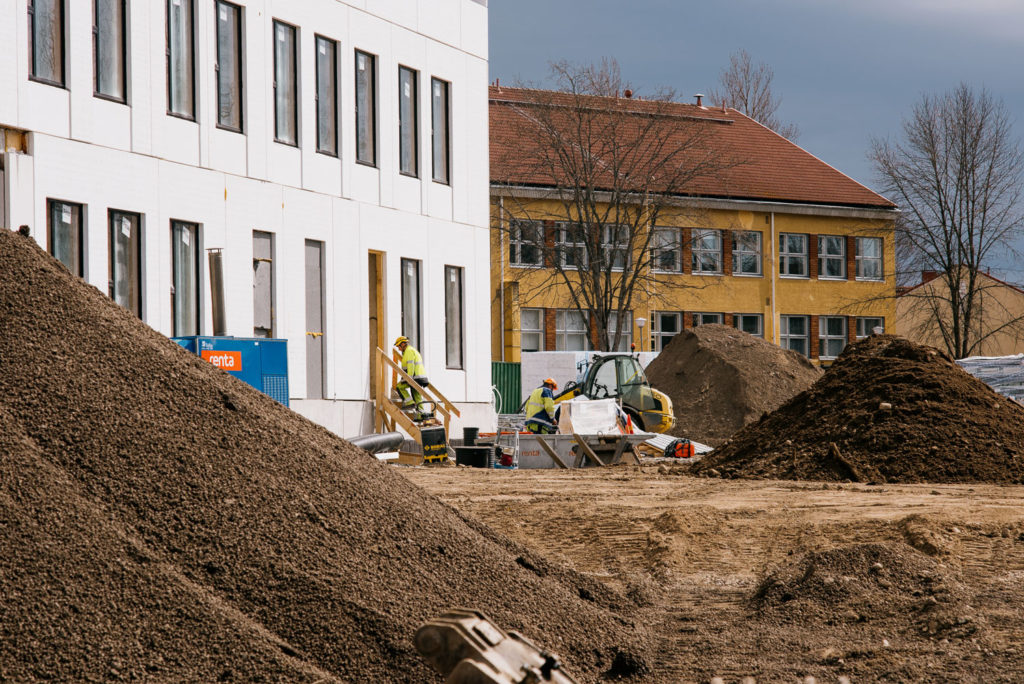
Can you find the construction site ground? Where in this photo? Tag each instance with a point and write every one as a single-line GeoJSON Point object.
{"type": "Point", "coordinates": [872, 583]}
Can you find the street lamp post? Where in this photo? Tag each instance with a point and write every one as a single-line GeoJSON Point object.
{"type": "Point", "coordinates": [641, 322]}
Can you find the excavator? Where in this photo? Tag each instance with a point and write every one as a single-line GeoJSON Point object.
{"type": "Point", "coordinates": [621, 377]}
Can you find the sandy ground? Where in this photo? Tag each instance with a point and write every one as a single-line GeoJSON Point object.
{"type": "Point", "coordinates": [692, 553]}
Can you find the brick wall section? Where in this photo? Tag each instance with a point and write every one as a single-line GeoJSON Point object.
{"type": "Point", "coordinates": [727, 252]}
{"type": "Point", "coordinates": [851, 257]}
{"type": "Point", "coordinates": [812, 256]}
{"type": "Point", "coordinates": [549, 330]}
{"type": "Point", "coordinates": [687, 251]}
{"type": "Point", "coordinates": [549, 247]}
{"type": "Point", "coordinates": [593, 332]}
{"type": "Point", "coordinates": [851, 325]}
{"type": "Point", "coordinates": [812, 343]}
{"type": "Point", "coordinates": [728, 319]}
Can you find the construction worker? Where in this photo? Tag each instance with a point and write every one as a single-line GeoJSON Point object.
{"type": "Point", "coordinates": [412, 363]}
{"type": "Point", "coordinates": [540, 409]}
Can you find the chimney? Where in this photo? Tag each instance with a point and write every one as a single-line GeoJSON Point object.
{"type": "Point", "coordinates": [700, 99]}
{"type": "Point", "coordinates": [928, 276]}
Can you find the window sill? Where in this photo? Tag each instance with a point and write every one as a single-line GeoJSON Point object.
{"type": "Point", "coordinates": [443, 182]}
{"type": "Point", "coordinates": [183, 117]}
{"type": "Point", "coordinates": [327, 153]}
{"type": "Point", "coordinates": [231, 129]}
{"type": "Point", "coordinates": [406, 174]}
{"type": "Point", "coordinates": [46, 81]}
{"type": "Point", "coordinates": [659, 271]}
{"type": "Point", "coordinates": [286, 143]}
{"type": "Point", "coordinates": [834, 279]}
{"type": "Point", "coordinates": [111, 98]}
{"type": "Point", "coordinates": [748, 275]}
{"type": "Point", "coordinates": [706, 273]}
{"type": "Point", "coordinates": [372, 165]}
{"type": "Point", "coordinates": [529, 267]}
{"type": "Point", "coordinates": [794, 277]}
{"type": "Point", "coordinates": [870, 280]}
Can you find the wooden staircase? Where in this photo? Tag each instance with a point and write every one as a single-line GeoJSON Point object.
{"type": "Point", "coordinates": [389, 415]}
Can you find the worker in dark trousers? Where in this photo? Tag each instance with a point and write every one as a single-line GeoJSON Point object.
{"type": "Point", "coordinates": [540, 409]}
{"type": "Point", "coordinates": [412, 364]}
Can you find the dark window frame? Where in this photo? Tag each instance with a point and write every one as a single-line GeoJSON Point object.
{"type": "Point", "coordinates": [414, 125]}
{"type": "Point", "coordinates": [138, 274]}
{"type": "Point", "coordinates": [445, 155]}
{"type": "Point", "coordinates": [51, 205]}
{"type": "Point", "coordinates": [239, 24]}
{"type": "Point", "coordinates": [96, 53]}
{"type": "Point", "coordinates": [371, 89]}
{"type": "Point", "coordinates": [194, 226]}
{"type": "Point", "coordinates": [460, 363]}
{"type": "Point", "coordinates": [191, 116]}
{"type": "Point", "coordinates": [62, 83]}
{"type": "Point", "coordinates": [318, 40]}
{"type": "Point", "coordinates": [293, 106]}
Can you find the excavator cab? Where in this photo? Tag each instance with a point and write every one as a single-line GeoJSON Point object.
{"type": "Point", "coordinates": [621, 377]}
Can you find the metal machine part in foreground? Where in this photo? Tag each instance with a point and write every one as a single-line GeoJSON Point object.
{"type": "Point", "coordinates": [467, 648]}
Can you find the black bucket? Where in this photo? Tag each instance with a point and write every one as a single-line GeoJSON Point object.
{"type": "Point", "coordinates": [469, 435]}
{"type": "Point", "coordinates": [474, 456]}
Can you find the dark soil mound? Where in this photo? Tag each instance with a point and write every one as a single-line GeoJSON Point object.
{"type": "Point", "coordinates": [888, 410]}
{"type": "Point", "coordinates": [865, 582]}
{"type": "Point", "coordinates": [720, 379]}
{"type": "Point", "coordinates": [160, 519]}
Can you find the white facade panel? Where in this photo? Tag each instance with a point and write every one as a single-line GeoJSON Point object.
{"type": "Point", "coordinates": [135, 157]}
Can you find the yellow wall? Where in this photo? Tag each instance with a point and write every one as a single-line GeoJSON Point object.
{"type": "Point", "coordinates": [997, 304]}
{"type": "Point", "coordinates": [701, 293]}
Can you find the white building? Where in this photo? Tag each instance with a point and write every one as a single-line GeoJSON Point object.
{"type": "Point", "coordinates": [323, 145]}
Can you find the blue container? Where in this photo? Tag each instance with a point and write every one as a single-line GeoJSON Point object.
{"type": "Point", "coordinates": [258, 361]}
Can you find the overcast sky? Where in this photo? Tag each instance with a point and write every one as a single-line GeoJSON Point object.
{"type": "Point", "coordinates": [846, 70]}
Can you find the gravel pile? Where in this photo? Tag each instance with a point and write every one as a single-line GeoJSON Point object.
{"type": "Point", "coordinates": [888, 410]}
{"type": "Point", "coordinates": [161, 520]}
{"type": "Point", "coordinates": [720, 379]}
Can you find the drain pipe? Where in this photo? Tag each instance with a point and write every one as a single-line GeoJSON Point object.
{"type": "Point", "coordinates": [775, 275]}
{"type": "Point", "coordinates": [377, 443]}
{"type": "Point", "coordinates": [216, 261]}
{"type": "Point", "coordinates": [501, 284]}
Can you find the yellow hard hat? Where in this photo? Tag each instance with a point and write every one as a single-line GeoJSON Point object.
{"type": "Point", "coordinates": [401, 339]}
{"type": "Point", "coordinates": [551, 381]}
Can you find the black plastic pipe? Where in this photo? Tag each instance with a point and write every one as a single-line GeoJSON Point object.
{"type": "Point", "coordinates": [377, 443]}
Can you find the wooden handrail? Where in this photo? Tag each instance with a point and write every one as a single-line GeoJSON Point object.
{"type": "Point", "coordinates": [389, 413]}
{"type": "Point", "coordinates": [432, 391]}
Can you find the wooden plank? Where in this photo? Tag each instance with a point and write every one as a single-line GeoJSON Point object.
{"type": "Point", "coordinates": [585, 448]}
{"type": "Point", "coordinates": [551, 452]}
{"type": "Point", "coordinates": [617, 456]}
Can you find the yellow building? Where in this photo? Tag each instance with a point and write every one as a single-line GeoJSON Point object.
{"type": "Point", "coordinates": [778, 244]}
{"type": "Point", "coordinates": [998, 317]}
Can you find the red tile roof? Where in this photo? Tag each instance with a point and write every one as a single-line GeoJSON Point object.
{"type": "Point", "coordinates": [769, 168]}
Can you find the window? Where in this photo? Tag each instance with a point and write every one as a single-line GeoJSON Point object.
{"type": "Point", "coordinates": [453, 316]}
{"type": "Point", "coordinates": [706, 318]}
{"type": "Point", "coordinates": [439, 120]}
{"type": "Point", "coordinates": [109, 40]}
{"type": "Point", "coordinates": [531, 330]}
{"type": "Point", "coordinates": [262, 284]}
{"type": "Point", "coordinates": [749, 323]}
{"type": "Point", "coordinates": [185, 278]}
{"type": "Point", "coordinates": [125, 260]}
{"type": "Point", "coordinates": [366, 109]}
{"type": "Point", "coordinates": [65, 235]}
{"type": "Point", "coordinates": [869, 258]}
{"type": "Point", "coordinates": [615, 246]}
{"type": "Point", "coordinates": [831, 336]}
{"type": "Point", "coordinates": [626, 333]}
{"type": "Point", "coordinates": [181, 50]}
{"type": "Point", "coordinates": [666, 250]}
{"type": "Point", "coordinates": [707, 250]}
{"type": "Point", "coordinates": [746, 252]}
{"type": "Point", "coordinates": [866, 326]}
{"type": "Point", "coordinates": [46, 40]}
{"type": "Point", "coordinates": [792, 254]}
{"type": "Point", "coordinates": [411, 301]}
{"type": "Point", "coordinates": [525, 241]}
{"type": "Point", "coordinates": [286, 108]}
{"type": "Point", "coordinates": [572, 245]}
{"type": "Point", "coordinates": [831, 256]}
{"type": "Point", "coordinates": [571, 331]}
{"type": "Point", "coordinates": [793, 333]}
{"type": "Point", "coordinates": [229, 66]}
{"type": "Point", "coordinates": [664, 326]}
{"type": "Point", "coordinates": [326, 96]}
{"type": "Point", "coordinates": [408, 118]}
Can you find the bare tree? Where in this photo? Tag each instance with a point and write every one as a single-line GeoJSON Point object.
{"type": "Point", "coordinates": [956, 174]}
{"type": "Point", "coordinates": [747, 87]}
{"type": "Point", "coordinates": [590, 171]}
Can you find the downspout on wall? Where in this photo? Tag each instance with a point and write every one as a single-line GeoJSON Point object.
{"type": "Point", "coordinates": [774, 271]}
{"type": "Point", "coordinates": [501, 284]}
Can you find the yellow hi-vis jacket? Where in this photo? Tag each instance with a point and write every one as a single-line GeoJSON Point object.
{"type": "Point", "coordinates": [412, 362]}
{"type": "Point", "coordinates": [541, 405]}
